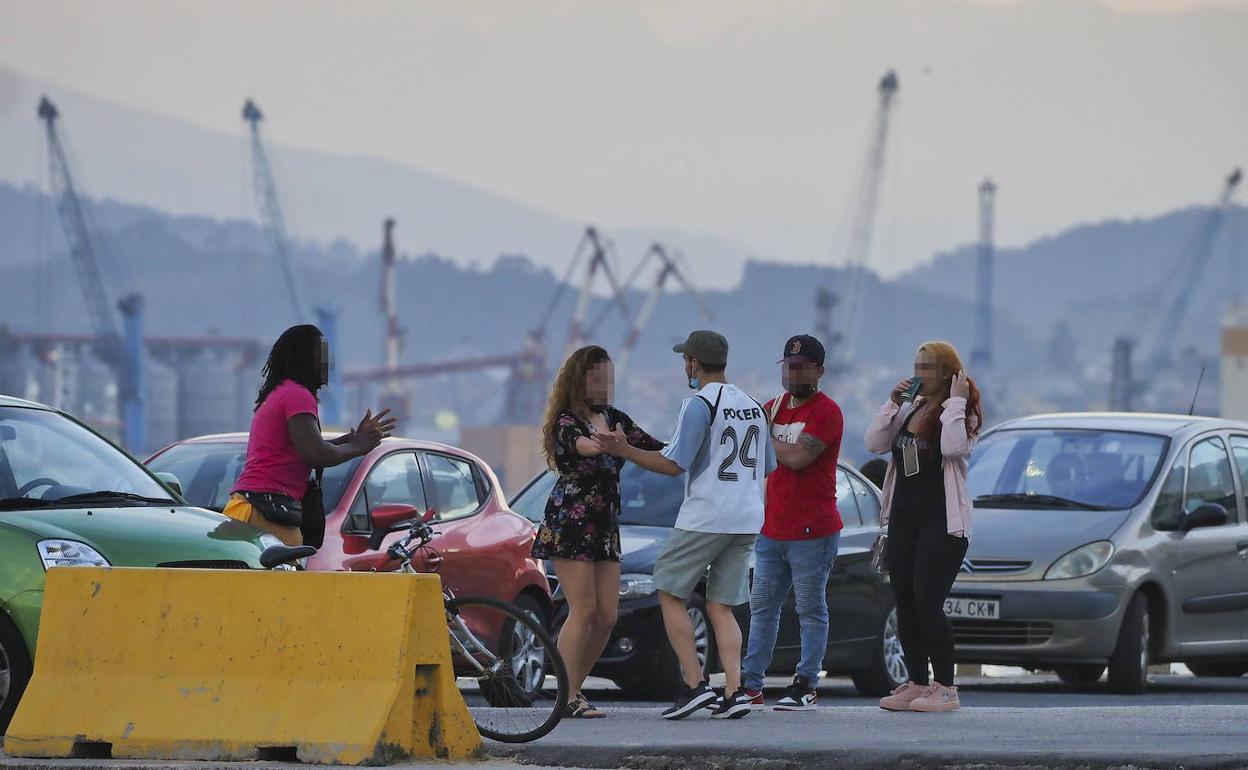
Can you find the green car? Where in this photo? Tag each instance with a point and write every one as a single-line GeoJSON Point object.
{"type": "Point", "coordinates": [69, 497]}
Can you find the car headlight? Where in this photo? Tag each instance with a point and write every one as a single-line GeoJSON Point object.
{"type": "Point", "coordinates": [1082, 561]}
{"type": "Point", "coordinates": [636, 586]}
{"type": "Point", "coordinates": [69, 553]}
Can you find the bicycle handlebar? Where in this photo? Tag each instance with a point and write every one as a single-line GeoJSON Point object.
{"type": "Point", "coordinates": [420, 531]}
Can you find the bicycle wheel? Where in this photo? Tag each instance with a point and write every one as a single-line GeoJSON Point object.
{"type": "Point", "coordinates": [507, 668]}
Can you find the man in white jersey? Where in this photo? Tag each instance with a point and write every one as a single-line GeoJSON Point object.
{"type": "Point", "coordinates": [721, 442]}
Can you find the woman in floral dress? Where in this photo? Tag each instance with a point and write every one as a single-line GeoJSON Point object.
{"type": "Point", "coordinates": [581, 531]}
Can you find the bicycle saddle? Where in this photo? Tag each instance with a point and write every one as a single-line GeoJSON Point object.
{"type": "Point", "coordinates": [281, 554]}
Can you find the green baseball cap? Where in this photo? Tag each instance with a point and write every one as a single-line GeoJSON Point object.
{"type": "Point", "coordinates": [707, 347]}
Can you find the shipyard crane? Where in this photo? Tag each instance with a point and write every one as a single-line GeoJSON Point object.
{"type": "Point", "coordinates": [270, 208]}
{"type": "Point", "coordinates": [275, 225]}
{"type": "Point", "coordinates": [861, 232]}
{"type": "Point", "coordinates": [123, 354]}
{"type": "Point", "coordinates": [598, 262]}
{"type": "Point", "coordinates": [528, 371]}
{"type": "Point", "coordinates": [668, 269]}
{"type": "Point", "coordinates": [1191, 265]}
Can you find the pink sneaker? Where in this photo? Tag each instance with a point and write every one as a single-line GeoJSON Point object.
{"type": "Point", "coordinates": [939, 698]}
{"type": "Point", "coordinates": [901, 698]}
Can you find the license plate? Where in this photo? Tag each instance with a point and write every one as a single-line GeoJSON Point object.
{"type": "Point", "coordinates": [978, 609]}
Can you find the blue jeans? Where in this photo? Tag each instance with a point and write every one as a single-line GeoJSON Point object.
{"type": "Point", "coordinates": [779, 565]}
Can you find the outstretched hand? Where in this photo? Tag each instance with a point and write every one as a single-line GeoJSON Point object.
{"type": "Point", "coordinates": [372, 429]}
{"type": "Point", "coordinates": [382, 423]}
{"type": "Point", "coordinates": [613, 442]}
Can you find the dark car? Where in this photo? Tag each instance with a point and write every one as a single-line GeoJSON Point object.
{"type": "Point", "coordinates": [862, 641]}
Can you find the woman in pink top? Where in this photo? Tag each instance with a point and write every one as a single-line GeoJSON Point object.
{"type": "Point", "coordinates": [285, 443]}
{"type": "Point", "coordinates": [928, 514]}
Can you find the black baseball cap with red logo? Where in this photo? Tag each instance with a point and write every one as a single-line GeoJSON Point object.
{"type": "Point", "coordinates": [803, 349]}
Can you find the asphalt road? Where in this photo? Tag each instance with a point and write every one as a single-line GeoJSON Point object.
{"type": "Point", "coordinates": [1031, 721]}
{"type": "Point", "coordinates": [1028, 722]}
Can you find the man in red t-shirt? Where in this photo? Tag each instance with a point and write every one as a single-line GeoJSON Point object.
{"type": "Point", "coordinates": [802, 527]}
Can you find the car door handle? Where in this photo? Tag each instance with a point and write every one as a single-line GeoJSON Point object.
{"type": "Point", "coordinates": [1241, 547]}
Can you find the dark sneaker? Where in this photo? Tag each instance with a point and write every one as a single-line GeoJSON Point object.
{"type": "Point", "coordinates": [733, 706]}
{"type": "Point", "coordinates": [692, 699]}
{"type": "Point", "coordinates": [756, 699]}
{"type": "Point", "coordinates": [799, 696]}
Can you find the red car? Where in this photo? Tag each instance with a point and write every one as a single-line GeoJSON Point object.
{"type": "Point", "coordinates": [483, 546]}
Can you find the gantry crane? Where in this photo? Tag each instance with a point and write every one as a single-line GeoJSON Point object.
{"type": "Point", "coordinates": [528, 371]}
{"type": "Point", "coordinates": [123, 354]}
{"type": "Point", "coordinates": [668, 269]}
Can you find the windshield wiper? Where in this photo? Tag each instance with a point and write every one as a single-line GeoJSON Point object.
{"type": "Point", "coordinates": [108, 496]}
{"type": "Point", "coordinates": [18, 503]}
{"type": "Point", "coordinates": [1040, 500]}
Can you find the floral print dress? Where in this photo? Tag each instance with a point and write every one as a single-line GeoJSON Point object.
{"type": "Point", "coordinates": [583, 513]}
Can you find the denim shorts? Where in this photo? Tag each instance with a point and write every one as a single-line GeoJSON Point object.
{"type": "Point", "coordinates": [722, 560]}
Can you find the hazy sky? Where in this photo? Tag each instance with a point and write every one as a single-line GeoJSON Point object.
{"type": "Point", "coordinates": [743, 120]}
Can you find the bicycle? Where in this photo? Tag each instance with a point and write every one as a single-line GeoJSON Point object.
{"type": "Point", "coordinates": [506, 652]}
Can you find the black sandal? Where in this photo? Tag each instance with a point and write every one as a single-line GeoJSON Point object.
{"type": "Point", "coordinates": [580, 708]}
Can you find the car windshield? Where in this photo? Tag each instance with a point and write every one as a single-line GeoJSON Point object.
{"type": "Point", "coordinates": [48, 460]}
{"type": "Point", "coordinates": [207, 473]}
{"type": "Point", "coordinates": [647, 499]}
{"type": "Point", "coordinates": [1074, 469]}
{"type": "Point", "coordinates": [531, 502]}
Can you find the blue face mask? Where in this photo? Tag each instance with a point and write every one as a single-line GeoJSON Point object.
{"type": "Point", "coordinates": [694, 384]}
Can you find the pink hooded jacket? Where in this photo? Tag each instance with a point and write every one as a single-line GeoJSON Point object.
{"type": "Point", "coordinates": [955, 446]}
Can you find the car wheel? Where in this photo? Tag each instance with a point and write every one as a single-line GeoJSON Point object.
{"type": "Point", "coordinates": [14, 670]}
{"type": "Point", "coordinates": [1234, 669]}
{"type": "Point", "coordinates": [888, 666]}
{"type": "Point", "coordinates": [668, 681]}
{"type": "Point", "coordinates": [1128, 666]}
{"type": "Point", "coordinates": [1080, 674]}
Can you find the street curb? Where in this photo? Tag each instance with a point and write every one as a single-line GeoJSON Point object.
{"type": "Point", "coordinates": [715, 758]}
{"type": "Point", "coordinates": [704, 758]}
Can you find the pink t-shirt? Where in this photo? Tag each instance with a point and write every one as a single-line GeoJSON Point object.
{"type": "Point", "coordinates": [273, 464]}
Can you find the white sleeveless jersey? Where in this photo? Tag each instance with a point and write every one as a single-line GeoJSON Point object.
{"type": "Point", "coordinates": [724, 490]}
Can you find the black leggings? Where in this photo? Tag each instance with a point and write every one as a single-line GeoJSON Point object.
{"type": "Point", "coordinates": [924, 560]}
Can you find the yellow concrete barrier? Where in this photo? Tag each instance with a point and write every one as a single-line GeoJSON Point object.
{"type": "Point", "coordinates": [335, 667]}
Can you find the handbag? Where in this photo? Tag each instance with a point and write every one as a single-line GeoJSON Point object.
{"type": "Point", "coordinates": [280, 509]}
{"type": "Point", "coordinates": [312, 523]}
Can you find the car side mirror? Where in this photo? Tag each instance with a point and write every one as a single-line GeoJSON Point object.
{"type": "Point", "coordinates": [171, 481]}
{"type": "Point", "coordinates": [387, 518]}
{"type": "Point", "coordinates": [1207, 515]}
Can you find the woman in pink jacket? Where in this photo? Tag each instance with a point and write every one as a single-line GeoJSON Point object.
{"type": "Point", "coordinates": [928, 514]}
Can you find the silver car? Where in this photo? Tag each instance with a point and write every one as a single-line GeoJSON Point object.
{"type": "Point", "coordinates": [1107, 540]}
